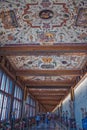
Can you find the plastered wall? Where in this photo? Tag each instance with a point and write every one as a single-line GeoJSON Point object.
{"type": "Point", "coordinates": [65, 105]}
{"type": "Point", "coordinates": [80, 101]}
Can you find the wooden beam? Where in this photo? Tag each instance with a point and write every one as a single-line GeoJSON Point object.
{"type": "Point", "coordinates": [47, 97]}
{"type": "Point", "coordinates": [49, 94]}
{"type": "Point", "coordinates": [50, 87]}
{"type": "Point", "coordinates": [47, 91]}
{"type": "Point", "coordinates": [32, 50]}
{"type": "Point", "coordinates": [43, 102]}
{"type": "Point", "coordinates": [50, 108]}
{"type": "Point", "coordinates": [49, 102]}
{"type": "Point", "coordinates": [52, 99]}
{"type": "Point", "coordinates": [49, 105]}
{"type": "Point", "coordinates": [47, 72]}
{"type": "Point", "coordinates": [48, 84]}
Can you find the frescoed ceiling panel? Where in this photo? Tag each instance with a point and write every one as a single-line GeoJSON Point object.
{"type": "Point", "coordinates": [48, 78]}
{"type": "Point", "coordinates": [40, 22]}
{"type": "Point", "coordinates": [47, 90]}
{"type": "Point", "coordinates": [66, 61]}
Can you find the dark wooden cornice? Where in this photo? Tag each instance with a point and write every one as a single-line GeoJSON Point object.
{"type": "Point", "coordinates": [50, 102]}
{"type": "Point", "coordinates": [35, 49]}
{"type": "Point", "coordinates": [47, 91]}
{"type": "Point", "coordinates": [49, 105]}
{"type": "Point", "coordinates": [52, 99]}
{"type": "Point", "coordinates": [49, 97]}
{"type": "Point", "coordinates": [50, 87]}
{"type": "Point", "coordinates": [37, 84]}
{"type": "Point", "coordinates": [49, 94]}
{"type": "Point", "coordinates": [47, 72]}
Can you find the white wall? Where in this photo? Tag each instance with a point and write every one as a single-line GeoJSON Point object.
{"type": "Point", "coordinates": [65, 105]}
{"type": "Point", "coordinates": [80, 101]}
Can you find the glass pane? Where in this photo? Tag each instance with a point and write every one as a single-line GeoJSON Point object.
{"type": "Point", "coordinates": [10, 86]}
{"type": "Point", "coordinates": [17, 108]}
{"type": "Point", "coordinates": [29, 100]}
{"type": "Point", "coordinates": [27, 110]}
{"type": "Point", "coordinates": [15, 93]}
{"type": "Point", "coordinates": [33, 111]}
{"type": "Point", "coordinates": [30, 111]}
{"type": "Point", "coordinates": [34, 103]}
{"type": "Point", "coordinates": [3, 82]}
{"type": "Point", "coordinates": [26, 100]}
{"type": "Point", "coordinates": [1, 100]}
{"type": "Point", "coordinates": [18, 93]}
{"type": "Point", "coordinates": [0, 77]}
{"type": "Point", "coordinates": [8, 108]}
{"type": "Point", "coordinates": [3, 116]}
{"type": "Point", "coordinates": [20, 106]}
{"type": "Point", "coordinates": [14, 105]}
{"type": "Point", "coordinates": [20, 97]}
{"type": "Point", "coordinates": [7, 85]}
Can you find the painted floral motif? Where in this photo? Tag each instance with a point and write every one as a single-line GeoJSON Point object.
{"type": "Point", "coordinates": [48, 78]}
{"type": "Point", "coordinates": [65, 22]}
{"type": "Point", "coordinates": [66, 61]}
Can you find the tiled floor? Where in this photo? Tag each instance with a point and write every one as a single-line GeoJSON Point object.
{"type": "Point", "coordinates": [43, 126]}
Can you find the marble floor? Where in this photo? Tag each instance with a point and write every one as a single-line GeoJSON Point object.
{"type": "Point", "coordinates": [52, 125]}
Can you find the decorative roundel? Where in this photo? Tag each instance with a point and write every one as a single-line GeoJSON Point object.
{"type": "Point", "coordinates": [46, 14]}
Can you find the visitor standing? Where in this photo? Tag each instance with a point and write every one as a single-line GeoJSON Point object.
{"type": "Point", "coordinates": [37, 119]}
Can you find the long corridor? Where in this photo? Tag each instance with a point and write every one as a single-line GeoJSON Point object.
{"type": "Point", "coordinates": [52, 125]}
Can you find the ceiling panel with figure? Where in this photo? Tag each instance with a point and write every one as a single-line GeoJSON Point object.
{"type": "Point", "coordinates": [42, 22]}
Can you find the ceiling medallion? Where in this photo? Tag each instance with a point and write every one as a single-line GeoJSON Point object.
{"type": "Point", "coordinates": [46, 14]}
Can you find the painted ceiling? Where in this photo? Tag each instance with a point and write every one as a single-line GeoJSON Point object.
{"type": "Point", "coordinates": [48, 90]}
{"type": "Point", "coordinates": [43, 22]}
{"type": "Point", "coordinates": [66, 61]}
{"type": "Point", "coordinates": [48, 78]}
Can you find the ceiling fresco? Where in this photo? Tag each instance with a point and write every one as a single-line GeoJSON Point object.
{"type": "Point", "coordinates": [48, 78]}
{"type": "Point", "coordinates": [47, 90]}
{"type": "Point", "coordinates": [54, 62]}
{"type": "Point", "coordinates": [43, 22]}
